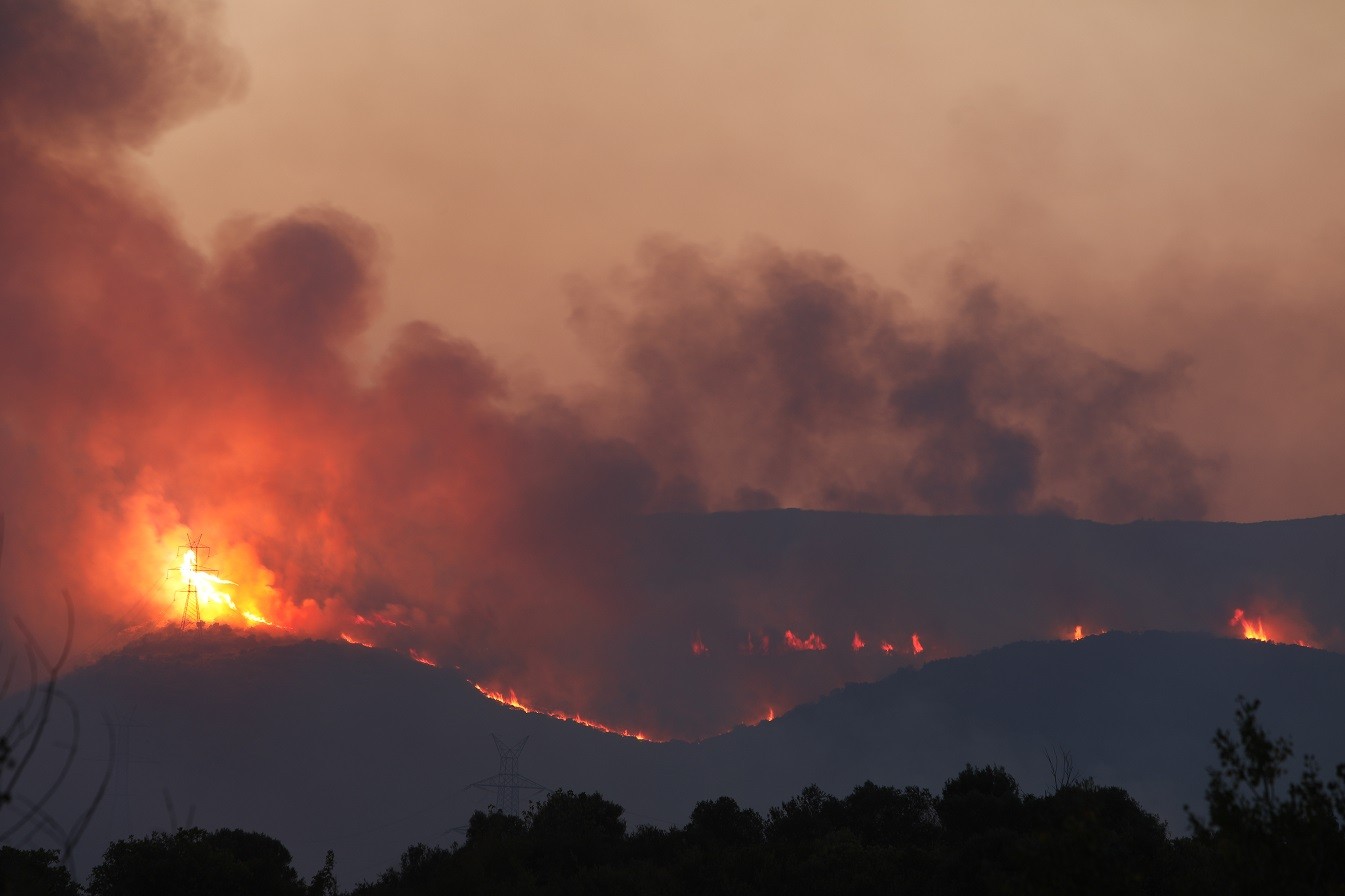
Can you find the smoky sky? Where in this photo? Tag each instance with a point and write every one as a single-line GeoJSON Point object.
{"type": "Point", "coordinates": [151, 389]}
{"type": "Point", "coordinates": [788, 379]}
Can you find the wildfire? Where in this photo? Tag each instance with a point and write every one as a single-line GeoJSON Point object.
{"type": "Point", "coordinates": [760, 643]}
{"type": "Point", "coordinates": [1251, 630]}
{"type": "Point", "coordinates": [770, 714]}
{"type": "Point", "coordinates": [422, 658]}
{"type": "Point", "coordinates": [512, 699]}
{"type": "Point", "coordinates": [762, 646]}
{"type": "Point", "coordinates": [204, 582]}
{"type": "Point", "coordinates": [812, 642]}
{"type": "Point", "coordinates": [248, 597]}
{"type": "Point", "coordinates": [349, 640]}
{"type": "Point", "coordinates": [1279, 631]}
{"type": "Point", "coordinates": [1078, 632]}
{"type": "Point", "coordinates": [698, 646]}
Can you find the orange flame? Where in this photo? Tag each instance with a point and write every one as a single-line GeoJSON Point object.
{"type": "Point", "coordinates": [887, 647]}
{"type": "Point", "coordinates": [698, 646]}
{"type": "Point", "coordinates": [422, 658]}
{"type": "Point", "coordinates": [349, 640]}
{"type": "Point", "coordinates": [247, 598]}
{"type": "Point", "coordinates": [770, 714]}
{"type": "Point", "coordinates": [916, 646]}
{"type": "Point", "coordinates": [204, 582]}
{"type": "Point", "coordinates": [812, 642]}
{"type": "Point", "coordinates": [1078, 632]}
{"type": "Point", "coordinates": [1252, 631]}
{"type": "Point", "coordinates": [856, 643]}
{"type": "Point", "coordinates": [513, 700]}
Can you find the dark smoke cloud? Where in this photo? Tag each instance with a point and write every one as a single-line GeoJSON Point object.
{"type": "Point", "coordinates": [117, 75]}
{"type": "Point", "coordinates": [146, 389]}
{"type": "Point", "coordinates": [788, 378]}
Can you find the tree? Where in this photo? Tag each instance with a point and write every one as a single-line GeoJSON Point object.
{"type": "Point", "coordinates": [34, 872]}
{"type": "Point", "coordinates": [1263, 835]}
{"type": "Point", "coordinates": [324, 882]}
{"type": "Point", "coordinates": [808, 816]}
{"type": "Point", "coordinates": [980, 800]}
{"type": "Point", "coordinates": [886, 816]}
{"type": "Point", "coordinates": [190, 860]}
{"type": "Point", "coordinates": [571, 830]}
{"type": "Point", "coordinates": [1089, 839]}
{"type": "Point", "coordinates": [721, 824]}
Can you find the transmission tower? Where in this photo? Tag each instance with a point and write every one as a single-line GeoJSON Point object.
{"type": "Point", "coordinates": [507, 782]}
{"type": "Point", "coordinates": [191, 604]}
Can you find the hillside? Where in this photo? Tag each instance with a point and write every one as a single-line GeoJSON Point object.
{"type": "Point", "coordinates": [365, 752]}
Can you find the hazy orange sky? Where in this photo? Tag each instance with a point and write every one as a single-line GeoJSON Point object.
{"type": "Point", "coordinates": [1161, 176]}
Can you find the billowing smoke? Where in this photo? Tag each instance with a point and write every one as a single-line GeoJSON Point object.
{"type": "Point", "coordinates": [786, 379]}
{"type": "Point", "coordinates": [428, 504]}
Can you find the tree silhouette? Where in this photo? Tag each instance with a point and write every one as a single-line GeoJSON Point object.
{"type": "Point", "coordinates": [23, 806]}
{"type": "Point", "coordinates": [34, 872]}
{"type": "Point", "coordinates": [1266, 833]}
{"type": "Point", "coordinates": [190, 860]}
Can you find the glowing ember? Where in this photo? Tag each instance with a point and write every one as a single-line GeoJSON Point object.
{"type": "Point", "coordinates": [698, 646]}
{"type": "Point", "coordinates": [513, 700]}
{"type": "Point", "coordinates": [812, 642]}
{"type": "Point", "coordinates": [887, 647]}
{"type": "Point", "coordinates": [1252, 631]}
{"type": "Point", "coordinates": [856, 643]}
{"type": "Point", "coordinates": [916, 646]}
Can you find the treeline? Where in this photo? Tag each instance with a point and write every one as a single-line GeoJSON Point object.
{"type": "Point", "coordinates": [1262, 831]}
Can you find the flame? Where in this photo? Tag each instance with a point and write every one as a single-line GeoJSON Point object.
{"type": "Point", "coordinates": [258, 619]}
{"type": "Point", "coordinates": [916, 646]}
{"type": "Point", "coordinates": [887, 647]}
{"type": "Point", "coordinates": [812, 642]}
{"type": "Point", "coordinates": [204, 582]}
{"type": "Point", "coordinates": [751, 646]}
{"type": "Point", "coordinates": [770, 714]}
{"type": "Point", "coordinates": [856, 643]}
{"type": "Point", "coordinates": [248, 598]}
{"type": "Point", "coordinates": [513, 700]}
{"type": "Point", "coordinates": [698, 646]}
{"type": "Point", "coordinates": [1078, 632]}
{"type": "Point", "coordinates": [349, 640]}
{"type": "Point", "coordinates": [1256, 630]}
{"type": "Point", "coordinates": [421, 658]}
{"type": "Point", "coordinates": [1252, 631]}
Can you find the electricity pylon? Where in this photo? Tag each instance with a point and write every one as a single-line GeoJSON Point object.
{"type": "Point", "coordinates": [507, 782]}
{"type": "Point", "coordinates": [191, 605]}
